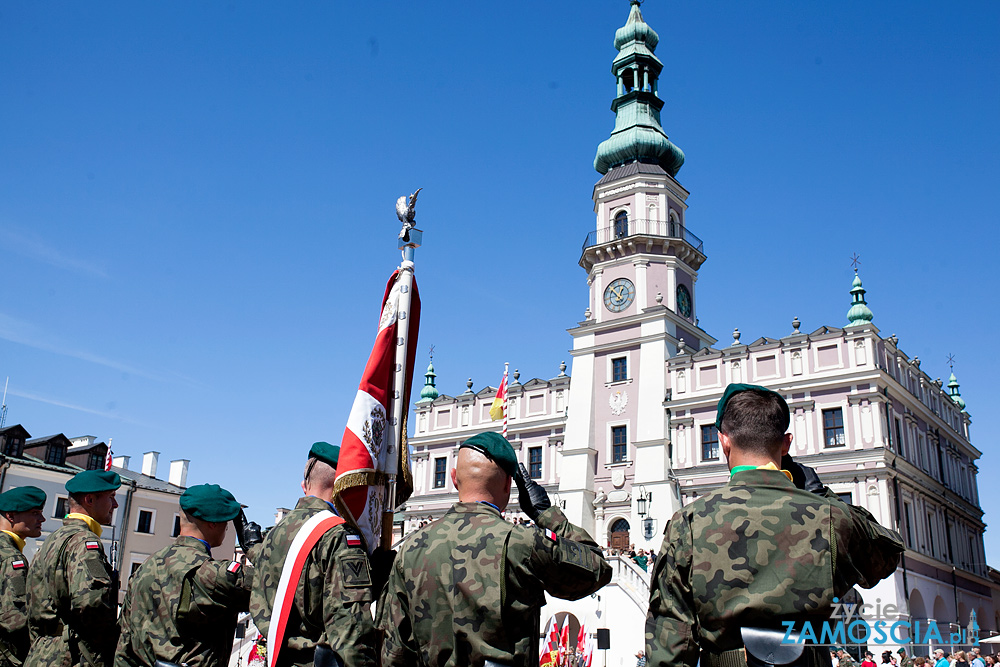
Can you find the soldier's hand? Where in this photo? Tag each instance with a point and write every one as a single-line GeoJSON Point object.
{"type": "Point", "coordinates": [381, 564]}
{"type": "Point", "coordinates": [248, 533]}
{"type": "Point", "coordinates": [530, 495]}
{"type": "Point", "coordinates": [803, 477]}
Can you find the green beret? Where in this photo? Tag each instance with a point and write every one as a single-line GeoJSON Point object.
{"type": "Point", "coordinates": [210, 502]}
{"type": "Point", "coordinates": [94, 481]}
{"type": "Point", "coordinates": [325, 452]}
{"type": "Point", "coordinates": [22, 499]}
{"type": "Point", "coordinates": [734, 389]}
{"type": "Point", "coordinates": [496, 448]}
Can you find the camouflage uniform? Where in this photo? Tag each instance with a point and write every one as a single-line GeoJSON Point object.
{"type": "Point", "coordinates": [469, 586]}
{"type": "Point", "coordinates": [181, 607]}
{"type": "Point", "coordinates": [756, 552]}
{"type": "Point", "coordinates": [333, 598]}
{"type": "Point", "coordinates": [13, 603]}
{"type": "Point", "coordinates": [72, 595]}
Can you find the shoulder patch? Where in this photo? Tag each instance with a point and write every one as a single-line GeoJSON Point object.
{"type": "Point", "coordinates": [92, 544]}
{"type": "Point", "coordinates": [354, 569]}
{"type": "Point", "coordinates": [551, 535]}
{"type": "Point", "coordinates": [18, 564]}
{"type": "Point", "coordinates": [233, 568]}
{"type": "Point", "coordinates": [353, 540]}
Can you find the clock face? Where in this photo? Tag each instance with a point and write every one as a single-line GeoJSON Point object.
{"type": "Point", "coordinates": [619, 295]}
{"type": "Point", "coordinates": [683, 301]}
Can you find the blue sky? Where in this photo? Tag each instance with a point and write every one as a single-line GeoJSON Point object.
{"type": "Point", "coordinates": [196, 199]}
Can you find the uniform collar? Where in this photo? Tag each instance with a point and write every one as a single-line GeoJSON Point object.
{"type": "Point", "coordinates": [766, 466]}
{"type": "Point", "coordinates": [89, 520]}
{"type": "Point", "coordinates": [190, 539]}
{"type": "Point", "coordinates": [18, 540]}
{"type": "Point", "coordinates": [476, 507]}
{"type": "Point", "coordinates": [314, 502]}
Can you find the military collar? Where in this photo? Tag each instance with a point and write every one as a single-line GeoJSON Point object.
{"type": "Point", "coordinates": [476, 507]}
{"type": "Point", "coordinates": [16, 539]}
{"type": "Point", "coordinates": [89, 521]}
{"type": "Point", "coordinates": [760, 476]}
{"type": "Point", "coordinates": [188, 539]}
{"type": "Point", "coordinates": [316, 503]}
{"type": "Point", "coordinates": [766, 466]}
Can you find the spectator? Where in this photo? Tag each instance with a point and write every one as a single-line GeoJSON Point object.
{"type": "Point", "coordinates": [869, 660]}
{"type": "Point", "coordinates": [641, 559]}
{"type": "Point", "coordinates": [640, 659]}
{"type": "Point", "coordinates": [975, 658]}
{"type": "Point", "coordinates": [960, 659]}
{"type": "Point", "coordinates": [939, 659]}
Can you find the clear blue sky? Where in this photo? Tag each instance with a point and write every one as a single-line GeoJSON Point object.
{"type": "Point", "coordinates": [196, 199]}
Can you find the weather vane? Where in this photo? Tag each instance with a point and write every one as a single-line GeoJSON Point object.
{"type": "Point", "coordinates": [951, 361]}
{"type": "Point", "coordinates": [431, 352]}
{"type": "Point", "coordinates": [856, 261]}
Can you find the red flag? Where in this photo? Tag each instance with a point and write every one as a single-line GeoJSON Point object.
{"type": "Point", "coordinates": [564, 637]}
{"type": "Point", "coordinates": [359, 491]}
{"type": "Point", "coordinates": [581, 637]}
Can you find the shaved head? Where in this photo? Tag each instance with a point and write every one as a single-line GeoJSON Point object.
{"type": "Point", "coordinates": [477, 477]}
{"type": "Point", "coordinates": [318, 478]}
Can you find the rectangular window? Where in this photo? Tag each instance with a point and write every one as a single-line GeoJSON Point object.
{"type": "Point", "coordinates": [95, 461]}
{"type": "Point", "coordinates": [930, 533]}
{"type": "Point", "coordinates": [55, 455]}
{"type": "Point", "coordinates": [833, 427]}
{"type": "Point", "coordinates": [909, 528]}
{"type": "Point", "coordinates": [619, 444]}
{"type": "Point", "coordinates": [899, 439]}
{"type": "Point", "coordinates": [145, 522]}
{"type": "Point", "coordinates": [709, 443]}
{"type": "Point", "coordinates": [177, 526]}
{"type": "Point", "coordinates": [846, 497]}
{"type": "Point", "coordinates": [619, 369]}
{"type": "Point", "coordinates": [62, 508]}
{"type": "Point", "coordinates": [535, 462]}
{"type": "Point", "coordinates": [439, 470]}
{"type": "Point", "coordinates": [13, 447]}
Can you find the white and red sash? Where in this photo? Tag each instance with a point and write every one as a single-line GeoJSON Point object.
{"type": "Point", "coordinates": [291, 572]}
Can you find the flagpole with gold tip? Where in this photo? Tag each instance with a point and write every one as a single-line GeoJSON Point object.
{"type": "Point", "coordinates": [408, 241]}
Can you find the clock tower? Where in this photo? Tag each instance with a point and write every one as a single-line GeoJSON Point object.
{"type": "Point", "coordinates": [642, 264]}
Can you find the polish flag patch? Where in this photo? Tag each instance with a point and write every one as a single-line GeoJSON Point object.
{"type": "Point", "coordinates": [18, 564]}
{"type": "Point", "coordinates": [234, 567]}
{"type": "Point", "coordinates": [551, 535]}
{"type": "Point", "coordinates": [353, 541]}
{"type": "Point", "coordinates": [92, 544]}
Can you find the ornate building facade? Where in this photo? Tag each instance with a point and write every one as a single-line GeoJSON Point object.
{"type": "Point", "coordinates": [631, 437]}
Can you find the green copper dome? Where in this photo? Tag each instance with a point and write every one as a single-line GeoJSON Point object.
{"type": "Point", "coordinates": [429, 392]}
{"type": "Point", "coordinates": [859, 313]}
{"type": "Point", "coordinates": [638, 135]}
{"type": "Point", "coordinates": [953, 392]}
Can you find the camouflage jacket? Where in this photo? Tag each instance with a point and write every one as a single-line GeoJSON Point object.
{"type": "Point", "coordinates": [756, 552]}
{"type": "Point", "coordinates": [181, 607]}
{"type": "Point", "coordinates": [333, 598]}
{"type": "Point", "coordinates": [469, 586]}
{"type": "Point", "coordinates": [13, 603]}
{"type": "Point", "coordinates": [72, 600]}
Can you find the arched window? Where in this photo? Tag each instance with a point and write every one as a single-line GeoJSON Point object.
{"type": "Point", "coordinates": [621, 224]}
{"type": "Point", "coordinates": [620, 526]}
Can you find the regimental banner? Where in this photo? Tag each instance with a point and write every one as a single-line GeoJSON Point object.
{"type": "Point", "coordinates": [360, 488]}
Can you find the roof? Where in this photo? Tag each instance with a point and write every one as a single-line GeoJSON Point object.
{"type": "Point", "coordinates": [631, 169]}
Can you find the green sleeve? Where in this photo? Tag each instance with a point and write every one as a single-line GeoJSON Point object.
{"type": "Point", "coordinates": [397, 645]}
{"type": "Point", "coordinates": [564, 558]}
{"type": "Point", "coordinates": [90, 587]}
{"type": "Point", "coordinates": [347, 620]}
{"type": "Point", "coordinates": [671, 625]}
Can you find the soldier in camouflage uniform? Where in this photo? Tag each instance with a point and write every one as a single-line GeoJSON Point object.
{"type": "Point", "coordinates": [72, 590]}
{"type": "Point", "coordinates": [467, 588]}
{"type": "Point", "coordinates": [332, 603]}
{"type": "Point", "coordinates": [760, 550]}
{"type": "Point", "coordinates": [904, 660]}
{"type": "Point", "coordinates": [20, 517]}
{"type": "Point", "coordinates": [181, 605]}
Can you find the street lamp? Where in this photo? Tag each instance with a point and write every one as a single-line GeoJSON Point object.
{"type": "Point", "coordinates": [642, 499]}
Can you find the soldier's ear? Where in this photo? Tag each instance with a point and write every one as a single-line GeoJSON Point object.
{"type": "Point", "coordinates": [786, 444]}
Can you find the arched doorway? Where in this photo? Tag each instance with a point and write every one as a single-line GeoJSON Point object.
{"type": "Point", "coordinates": [618, 537]}
{"type": "Point", "coordinates": [621, 224]}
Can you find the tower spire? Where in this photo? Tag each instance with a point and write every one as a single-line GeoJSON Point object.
{"type": "Point", "coordinates": [429, 392]}
{"type": "Point", "coordinates": [859, 313]}
{"type": "Point", "coordinates": [638, 135]}
{"type": "Point", "coordinates": [953, 385]}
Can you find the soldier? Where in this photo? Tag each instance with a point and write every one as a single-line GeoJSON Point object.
{"type": "Point", "coordinates": [72, 590]}
{"type": "Point", "coordinates": [323, 613]}
{"type": "Point", "coordinates": [20, 517]}
{"type": "Point", "coordinates": [760, 550]}
{"type": "Point", "coordinates": [181, 605]}
{"type": "Point", "coordinates": [467, 588]}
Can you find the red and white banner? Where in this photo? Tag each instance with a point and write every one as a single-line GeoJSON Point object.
{"type": "Point", "coordinates": [360, 489]}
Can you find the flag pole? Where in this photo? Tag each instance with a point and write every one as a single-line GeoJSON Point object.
{"type": "Point", "coordinates": [506, 367]}
{"type": "Point", "coordinates": [409, 240]}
